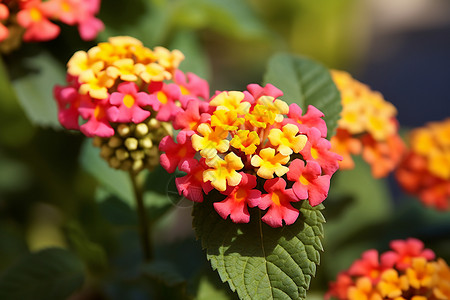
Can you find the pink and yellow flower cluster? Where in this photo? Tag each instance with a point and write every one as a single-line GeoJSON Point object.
{"type": "Point", "coordinates": [34, 17]}
{"type": "Point", "coordinates": [425, 171]}
{"type": "Point", "coordinates": [254, 150]}
{"type": "Point", "coordinates": [406, 272]}
{"type": "Point", "coordinates": [121, 81]}
{"type": "Point", "coordinates": [367, 125]}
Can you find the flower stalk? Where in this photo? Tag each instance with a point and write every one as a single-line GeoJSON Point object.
{"type": "Point", "coordinates": [143, 223]}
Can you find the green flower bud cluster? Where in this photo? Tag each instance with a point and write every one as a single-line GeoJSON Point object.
{"type": "Point", "coordinates": [134, 147]}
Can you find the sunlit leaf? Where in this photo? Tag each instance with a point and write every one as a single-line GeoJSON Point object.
{"type": "Point", "coordinates": [260, 262]}
{"type": "Point", "coordinates": [305, 82]}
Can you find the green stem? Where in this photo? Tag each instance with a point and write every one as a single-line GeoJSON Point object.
{"type": "Point", "coordinates": [144, 226]}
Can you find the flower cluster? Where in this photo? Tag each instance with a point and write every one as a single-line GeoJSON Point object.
{"type": "Point", "coordinates": [367, 126]}
{"type": "Point", "coordinates": [425, 171]}
{"type": "Point", "coordinates": [406, 272]}
{"type": "Point", "coordinates": [126, 95]}
{"type": "Point", "coordinates": [32, 18]}
{"type": "Point", "coordinates": [255, 150]}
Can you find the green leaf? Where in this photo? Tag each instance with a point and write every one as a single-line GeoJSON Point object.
{"type": "Point", "coordinates": [147, 21]}
{"type": "Point", "coordinates": [33, 80]}
{"type": "Point", "coordinates": [163, 271]}
{"type": "Point", "coordinates": [305, 82]}
{"type": "Point", "coordinates": [118, 183]}
{"type": "Point", "coordinates": [260, 262]}
{"type": "Point", "coordinates": [49, 274]}
{"type": "Point", "coordinates": [196, 59]}
{"type": "Point", "coordinates": [233, 18]}
{"type": "Point", "coordinates": [115, 181]}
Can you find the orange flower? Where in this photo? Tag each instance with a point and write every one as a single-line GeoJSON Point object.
{"type": "Point", "coordinates": [368, 119]}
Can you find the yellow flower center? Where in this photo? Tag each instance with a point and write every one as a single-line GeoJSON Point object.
{"type": "Point", "coordinates": [241, 195]}
{"type": "Point", "coordinates": [314, 153]}
{"type": "Point", "coordinates": [276, 198]}
{"type": "Point", "coordinates": [162, 97]}
{"type": "Point", "coordinates": [128, 100]}
{"type": "Point", "coordinates": [35, 14]}
{"type": "Point", "coordinates": [303, 180]}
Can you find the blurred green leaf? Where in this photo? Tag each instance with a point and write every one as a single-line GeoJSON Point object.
{"type": "Point", "coordinates": [233, 18]}
{"type": "Point", "coordinates": [196, 60]}
{"type": "Point", "coordinates": [164, 271]}
{"type": "Point", "coordinates": [145, 20]}
{"type": "Point", "coordinates": [33, 81]}
{"type": "Point", "coordinates": [305, 82]}
{"type": "Point", "coordinates": [49, 274]}
{"type": "Point", "coordinates": [92, 253]}
{"type": "Point", "coordinates": [259, 261]}
{"type": "Point", "coordinates": [16, 128]}
{"type": "Point", "coordinates": [115, 181]}
{"type": "Point", "coordinates": [14, 175]}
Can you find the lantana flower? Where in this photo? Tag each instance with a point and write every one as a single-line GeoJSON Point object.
{"type": "Point", "coordinates": [425, 170]}
{"type": "Point", "coordinates": [107, 97]}
{"type": "Point", "coordinates": [249, 151]}
{"type": "Point", "coordinates": [367, 126]}
{"type": "Point", "coordinates": [36, 18]}
{"type": "Point", "coordinates": [422, 277]}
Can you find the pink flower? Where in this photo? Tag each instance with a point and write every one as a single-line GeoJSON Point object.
{"type": "Point", "coordinates": [192, 186]}
{"type": "Point", "coordinates": [34, 18]}
{"type": "Point", "coordinates": [4, 14]}
{"type": "Point", "coordinates": [89, 28]}
{"type": "Point", "coordinates": [190, 118]}
{"type": "Point", "coordinates": [370, 266]}
{"type": "Point", "coordinates": [278, 201]}
{"type": "Point", "coordinates": [255, 91]}
{"type": "Point", "coordinates": [68, 101]}
{"type": "Point", "coordinates": [235, 205]}
{"type": "Point", "coordinates": [308, 183]}
{"type": "Point", "coordinates": [339, 288]}
{"type": "Point", "coordinates": [128, 104]}
{"type": "Point", "coordinates": [176, 154]}
{"type": "Point", "coordinates": [192, 85]}
{"type": "Point", "coordinates": [312, 118]}
{"type": "Point", "coordinates": [406, 250]}
{"type": "Point", "coordinates": [166, 95]}
{"type": "Point", "coordinates": [79, 12]}
{"type": "Point", "coordinates": [97, 124]}
{"type": "Point", "coordinates": [318, 149]}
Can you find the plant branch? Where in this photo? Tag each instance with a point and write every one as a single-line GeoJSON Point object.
{"type": "Point", "coordinates": [144, 226]}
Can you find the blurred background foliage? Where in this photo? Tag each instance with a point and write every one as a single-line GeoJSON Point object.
{"type": "Point", "coordinates": [56, 191]}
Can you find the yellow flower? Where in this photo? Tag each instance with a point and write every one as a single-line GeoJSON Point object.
{"type": "Point", "coordinates": [246, 141]}
{"type": "Point", "coordinates": [95, 84]}
{"type": "Point", "coordinates": [270, 163]}
{"type": "Point", "coordinates": [274, 106]}
{"type": "Point", "coordinates": [168, 59]}
{"type": "Point", "coordinates": [231, 101]}
{"type": "Point", "coordinates": [152, 72]}
{"type": "Point", "coordinates": [213, 141]}
{"type": "Point", "coordinates": [363, 290]}
{"type": "Point", "coordinates": [421, 273]}
{"type": "Point", "coordinates": [80, 62]}
{"type": "Point", "coordinates": [224, 171]}
{"type": "Point", "coordinates": [391, 285]}
{"type": "Point", "coordinates": [364, 110]}
{"type": "Point", "coordinates": [123, 68]}
{"type": "Point", "coordinates": [287, 139]}
{"type": "Point", "coordinates": [226, 119]}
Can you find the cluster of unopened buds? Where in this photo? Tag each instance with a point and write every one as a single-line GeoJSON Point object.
{"type": "Point", "coordinates": [368, 126]}
{"type": "Point", "coordinates": [30, 20]}
{"type": "Point", "coordinates": [255, 151]}
{"type": "Point", "coordinates": [425, 170]}
{"type": "Point", "coordinates": [126, 96]}
{"type": "Point", "coordinates": [407, 272]}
